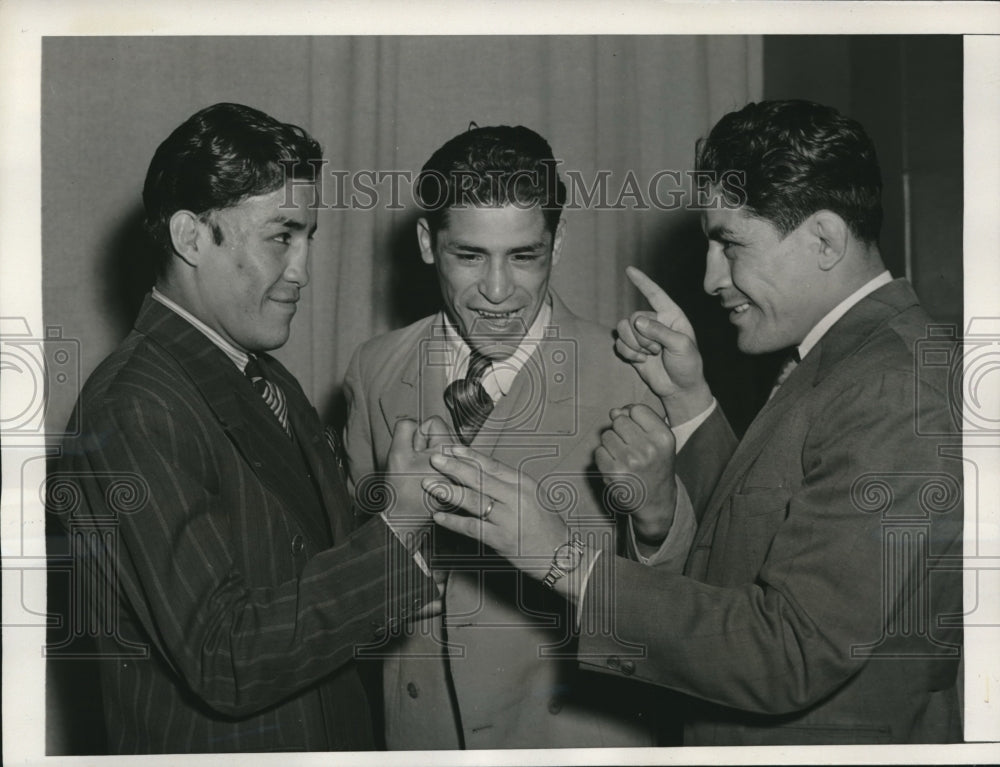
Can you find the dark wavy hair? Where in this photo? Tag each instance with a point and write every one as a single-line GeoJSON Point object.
{"type": "Point", "coordinates": [797, 157]}
{"type": "Point", "coordinates": [217, 158]}
{"type": "Point", "coordinates": [492, 166]}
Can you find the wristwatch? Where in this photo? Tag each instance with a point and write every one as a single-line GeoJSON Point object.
{"type": "Point", "coordinates": [565, 559]}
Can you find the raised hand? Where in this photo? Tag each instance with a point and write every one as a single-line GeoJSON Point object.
{"type": "Point", "coordinates": [638, 452]}
{"type": "Point", "coordinates": [661, 346]}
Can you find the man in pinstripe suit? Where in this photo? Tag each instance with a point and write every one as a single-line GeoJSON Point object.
{"type": "Point", "coordinates": [244, 577]}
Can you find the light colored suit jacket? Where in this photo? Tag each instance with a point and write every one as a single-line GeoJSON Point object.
{"type": "Point", "coordinates": [822, 599]}
{"type": "Point", "coordinates": [498, 670]}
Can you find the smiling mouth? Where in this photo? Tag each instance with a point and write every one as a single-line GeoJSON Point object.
{"type": "Point", "coordinates": [510, 323]}
{"type": "Point", "coordinates": [486, 315]}
{"type": "Point", "coordinates": [736, 309]}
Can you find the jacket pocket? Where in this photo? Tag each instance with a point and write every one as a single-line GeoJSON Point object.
{"type": "Point", "coordinates": [760, 502]}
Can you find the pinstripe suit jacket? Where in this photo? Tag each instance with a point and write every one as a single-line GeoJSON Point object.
{"type": "Point", "coordinates": [233, 560]}
{"type": "Point", "coordinates": [822, 599]}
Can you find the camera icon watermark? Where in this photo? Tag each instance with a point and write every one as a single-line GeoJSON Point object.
{"type": "Point", "coordinates": [33, 368]}
{"type": "Point", "coordinates": [544, 372]}
{"type": "Point", "coordinates": [965, 368]}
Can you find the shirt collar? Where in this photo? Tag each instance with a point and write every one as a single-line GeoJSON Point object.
{"type": "Point", "coordinates": [237, 355]}
{"type": "Point", "coordinates": [498, 379]}
{"type": "Point", "coordinates": [828, 321]}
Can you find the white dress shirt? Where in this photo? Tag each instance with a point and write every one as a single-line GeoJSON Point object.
{"type": "Point", "coordinates": [239, 356]}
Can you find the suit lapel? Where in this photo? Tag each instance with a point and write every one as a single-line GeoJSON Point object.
{"type": "Point", "coordinates": [542, 401]}
{"type": "Point", "coordinates": [249, 424]}
{"type": "Point", "coordinates": [757, 435]}
{"type": "Point", "coordinates": [323, 457]}
{"type": "Point", "coordinates": [505, 416]}
{"type": "Point", "coordinates": [418, 394]}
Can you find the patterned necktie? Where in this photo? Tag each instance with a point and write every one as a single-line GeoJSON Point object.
{"type": "Point", "coordinates": [786, 370]}
{"type": "Point", "coordinates": [468, 401]}
{"type": "Point", "coordinates": [271, 393]}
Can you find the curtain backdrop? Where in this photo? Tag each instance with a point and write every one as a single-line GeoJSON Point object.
{"type": "Point", "coordinates": [611, 105]}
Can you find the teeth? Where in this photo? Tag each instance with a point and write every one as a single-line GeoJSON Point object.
{"type": "Point", "coordinates": [495, 315]}
{"type": "Point", "coordinates": [741, 308]}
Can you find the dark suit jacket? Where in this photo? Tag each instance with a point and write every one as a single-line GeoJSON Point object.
{"type": "Point", "coordinates": [210, 538]}
{"type": "Point", "coordinates": [497, 669]}
{"type": "Point", "coordinates": [809, 612]}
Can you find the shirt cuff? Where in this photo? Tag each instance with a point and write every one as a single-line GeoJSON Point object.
{"type": "Point", "coordinates": [415, 553]}
{"type": "Point", "coordinates": [674, 549]}
{"type": "Point", "coordinates": [682, 432]}
{"type": "Point", "coordinates": [583, 588]}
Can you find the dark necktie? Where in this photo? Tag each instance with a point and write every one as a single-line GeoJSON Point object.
{"type": "Point", "coordinates": [787, 367]}
{"type": "Point", "coordinates": [468, 401]}
{"type": "Point", "coordinates": [269, 391]}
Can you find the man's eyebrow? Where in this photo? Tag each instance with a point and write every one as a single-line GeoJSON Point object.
{"type": "Point", "coordinates": [529, 248]}
{"type": "Point", "coordinates": [540, 245]}
{"type": "Point", "coordinates": [720, 232]}
{"type": "Point", "coordinates": [467, 247]}
{"type": "Point", "coordinates": [290, 223]}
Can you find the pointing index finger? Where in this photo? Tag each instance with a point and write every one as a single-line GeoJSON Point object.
{"type": "Point", "coordinates": [657, 297]}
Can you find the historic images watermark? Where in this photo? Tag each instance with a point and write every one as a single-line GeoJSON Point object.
{"type": "Point", "coordinates": [664, 189]}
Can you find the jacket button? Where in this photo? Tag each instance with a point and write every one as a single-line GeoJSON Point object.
{"type": "Point", "coordinates": [298, 543]}
{"type": "Point", "coordinates": [555, 706]}
{"type": "Point", "coordinates": [614, 662]}
{"type": "Point", "coordinates": [411, 690]}
{"type": "Point", "coordinates": [628, 667]}
{"type": "Point", "coordinates": [379, 632]}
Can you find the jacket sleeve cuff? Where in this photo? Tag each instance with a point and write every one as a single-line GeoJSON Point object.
{"type": "Point", "coordinates": [674, 549]}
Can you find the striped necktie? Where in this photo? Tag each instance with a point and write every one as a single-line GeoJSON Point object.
{"type": "Point", "coordinates": [469, 403]}
{"type": "Point", "coordinates": [269, 391]}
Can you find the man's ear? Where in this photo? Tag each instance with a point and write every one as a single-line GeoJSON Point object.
{"type": "Point", "coordinates": [425, 239]}
{"type": "Point", "coordinates": [187, 233]}
{"type": "Point", "coordinates": [557, 241]}
{"type": "Point", "coordinates": [833, 236]}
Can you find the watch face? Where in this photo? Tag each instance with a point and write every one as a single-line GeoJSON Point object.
{"type": "Point", "coordinates": [567, 557]}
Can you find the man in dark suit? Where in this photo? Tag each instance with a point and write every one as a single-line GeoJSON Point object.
{"type": "Point", "coordinates": [211, 520]}
{"type": "Point", "coordinates": [821, 601]}
{"type": "Point", "coordinates": [496, 670]}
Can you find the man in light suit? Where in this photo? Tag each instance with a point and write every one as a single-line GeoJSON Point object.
{"type": "Point", "coordinates": [208, 514]}
{"type": "Point", "coordinates": [821, 602]}
{"type": "Point", "coordinates": [516, 375]}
